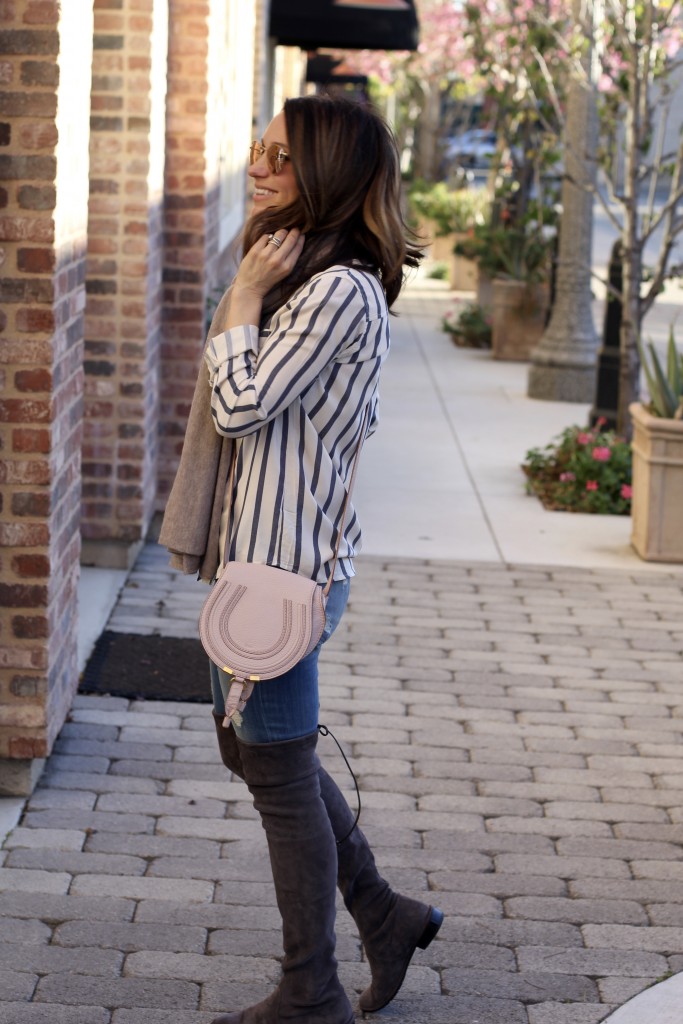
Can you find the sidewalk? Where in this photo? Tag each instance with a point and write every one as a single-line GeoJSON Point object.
{"type": "Point", "coordinates": [508, 682]}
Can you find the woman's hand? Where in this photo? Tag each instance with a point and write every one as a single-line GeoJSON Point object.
{"type": "Point", "coordinates": [265, 265]}
{"type": "Point", "coordinates": [269, 261]}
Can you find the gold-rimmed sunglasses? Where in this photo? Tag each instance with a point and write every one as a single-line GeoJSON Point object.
{"type": "Point", "coordinates": [275, 155]}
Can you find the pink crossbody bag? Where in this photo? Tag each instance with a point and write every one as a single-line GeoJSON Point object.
{"type": "Point", "coordinates": [260, 621]}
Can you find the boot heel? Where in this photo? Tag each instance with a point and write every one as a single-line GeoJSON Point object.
{"type": "Point", "coordinates": [432, 927]}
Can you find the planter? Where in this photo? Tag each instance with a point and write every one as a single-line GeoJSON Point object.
{"type": "Point", "coordinates": [485, 291]}
{"type": "Point", "coordinates": [519, 315]}
{"type": "Point", "coordinates": [442, 248]}
{"type": "Point", "coordinates": [464, 274]}
{"type": "Point", "coordinates": [657, 530]}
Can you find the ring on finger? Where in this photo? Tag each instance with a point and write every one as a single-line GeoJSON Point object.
{"type": "Point", "coordinates": [273, 240]}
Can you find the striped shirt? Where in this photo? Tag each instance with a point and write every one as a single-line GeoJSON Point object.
{"type": "Point", "coordinates": [293, 396]}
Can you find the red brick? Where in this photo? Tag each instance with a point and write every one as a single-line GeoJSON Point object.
{"type": "Point", "coordinates": [30, 229]}
{"type": "Point", "coordinates": [36, 261]}
{"type": "Point", "coordinates": [108, 23]}
{"type": "Point", "coordinates": [24, 410]}
{"type": "Point", "coordinates": [31, 565]}
{"type": "Point", "coordinates": [28, 104]}
{"type": "Point", "coordinates": [39, 72]}
{"type": "Point", "coordinates": [39, 135]}
{"type": "Point", "coordinates": [33, 380]}
{"type": "Point", "coordinates": [26, 440]}
{"type": "Point", "coordinates": [41, 12]}
{"type": "Point", "coordinates": [34, 320]}
{"type": "Point", "coordinates": [23, 595]}
{"type": "Point", "coordinates": [30, 627]}
{"type": "Point", "coordinates": [36, 504]}
{"type": "Point", "coordinates": [31, 197]}
{"type": "Point", "coordinates": [25, 471]}
{"type": "Point", "coordinates": [26, 747]}
{"type": "Point", "coordinates": [29, 41]}
{"type": "Point", "coordinates": [28, 686]}
{"type": "Point", "coordinates": [24, 535]}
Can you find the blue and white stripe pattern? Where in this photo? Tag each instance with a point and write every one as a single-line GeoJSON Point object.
{"type": "Point", "coordinates": [293, 397]}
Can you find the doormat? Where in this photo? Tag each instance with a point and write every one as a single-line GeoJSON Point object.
{"type": "Point", "coordinates": [150, 667]}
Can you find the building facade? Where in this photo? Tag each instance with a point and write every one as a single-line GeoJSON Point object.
{"type": "Point", "coordinates": [124, 131]}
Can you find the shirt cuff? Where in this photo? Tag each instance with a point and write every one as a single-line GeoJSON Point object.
{"type": "Point", "coordinates": [235, 342]}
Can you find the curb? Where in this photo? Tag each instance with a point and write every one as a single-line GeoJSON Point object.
{"type": "Point", "coordinates": [661, 1003]}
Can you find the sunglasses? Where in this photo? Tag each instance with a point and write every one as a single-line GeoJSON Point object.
{"type": "Point", "coordinates": [275, 155]}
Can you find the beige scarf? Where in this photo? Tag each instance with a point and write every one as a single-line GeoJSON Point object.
{"type": "Point", "coordinates": [193, 512]}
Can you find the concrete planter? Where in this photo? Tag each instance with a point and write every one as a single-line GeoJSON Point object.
{"type": "Point", "coordinates": [485, 291]}
{"type": "Point", "coordinates": [464, 273]}
{"type": "Point", "coordinates": [441, 248]}
{"type": "Point", "coordinates": [519, 315]}
{"type": "Point", "coordinates": [657, 504]}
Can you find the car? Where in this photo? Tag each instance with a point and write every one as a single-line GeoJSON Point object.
{"type": "Point", "coordinates": [473, 148]}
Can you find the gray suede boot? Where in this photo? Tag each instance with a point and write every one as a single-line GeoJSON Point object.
{"type": "Point", "coordinates": [391, 926]}
{"type": "Point", "coordinates": [283, 781]}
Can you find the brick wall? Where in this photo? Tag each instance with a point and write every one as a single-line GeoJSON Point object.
{"type": "Point", "coordinates": [208, 128]}
{"type": "Point", "coordinates": [125, 250]}
{"type": "Point", "coordinates": [45, 70]}
{"type": "Point", "coordinates": [262, 98]}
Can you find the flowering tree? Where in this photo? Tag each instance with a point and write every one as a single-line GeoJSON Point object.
{"type": "Point", "coordinates": [637, 44]}
{"type": "Point", "coordinates": [416, 84]}
{"type": "Point", "coordinates": [519, 49]}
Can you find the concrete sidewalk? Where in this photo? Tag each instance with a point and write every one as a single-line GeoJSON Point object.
{"type": "Point", "coordinates": [508, 683]}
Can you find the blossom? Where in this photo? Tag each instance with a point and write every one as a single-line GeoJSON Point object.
{"type": "Point", "coordinates": [626, 491]}
{"type": "Point", "coordinates": [567, 477]}
{"type": "Point", "coordinates": [591, 485]}
{"type": "Point", "coordinates": [584, 438]}
{"type": "Point", "coordinates": [602, 453]}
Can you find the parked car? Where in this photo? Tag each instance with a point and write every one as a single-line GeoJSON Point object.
{"type": "Point", "coordinates": [473, 148]}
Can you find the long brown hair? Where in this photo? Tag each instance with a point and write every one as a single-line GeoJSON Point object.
{"type": "Point", "coordinates": [347, 170]}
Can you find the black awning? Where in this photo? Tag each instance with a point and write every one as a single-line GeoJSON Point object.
{"type": "Point", "coordinates": [345, 24]}
{"type": "Point", "coordinates": [322, 70]}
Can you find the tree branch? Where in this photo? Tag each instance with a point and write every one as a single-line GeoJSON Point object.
{"type": "Point", "coordinates": [672, 229]}
{"type": "Point", "coordinates": [614, 292]}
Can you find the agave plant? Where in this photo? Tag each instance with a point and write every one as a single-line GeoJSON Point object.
{"type": "Point", "coordinates": [665, 386]}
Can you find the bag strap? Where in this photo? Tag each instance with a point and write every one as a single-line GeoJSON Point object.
{"type": "Point", "coordinates": [347, 499]}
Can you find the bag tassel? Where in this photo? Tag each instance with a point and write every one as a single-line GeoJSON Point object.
{"type": "Point", "coordinates": [239, 693]}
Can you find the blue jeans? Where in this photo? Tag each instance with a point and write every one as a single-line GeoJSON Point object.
{"type": "Point", "coordinates": [286, 707]}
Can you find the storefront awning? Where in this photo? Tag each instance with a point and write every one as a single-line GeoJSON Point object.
{"type": "Point", "coordinates": [322, 69]}
{"type": "Point", "coordinates": [345, 24]}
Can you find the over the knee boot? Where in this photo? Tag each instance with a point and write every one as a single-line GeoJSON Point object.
{"type": "Point", "coordinates": [283, 781]}
{"type": "Point", "coordinates": [227, 746]}
{"type": "Point", "coordinates": [391, 926]}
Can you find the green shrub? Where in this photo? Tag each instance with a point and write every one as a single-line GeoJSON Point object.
{"type": "Point", "coordinates": [439, 272]}
{"type": "Point", "coordinates": [450, 210]}
{"type": "Point", "coordinates": [469, 326]}
{"type": "Point", "coordinates": [665, 385]}
{"type": "Point", "coordinates": [583, 470]}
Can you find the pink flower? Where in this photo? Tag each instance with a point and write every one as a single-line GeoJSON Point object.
{"type": "Point", "coordinates": [601, 422]}
{"type": "Point", "coordinates": [567, 477]}
{"type": "Point", "coordinates": [584, 438]}
{"type": "Point", "coordinates": [626, 491]}
{"type": "Point", "coordinates": [591, 485]}
{"type": "Point", "coordinates": [602, 454]}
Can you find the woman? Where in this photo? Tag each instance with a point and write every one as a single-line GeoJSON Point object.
{"type": "Point", "coordinates": [293, 361]}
